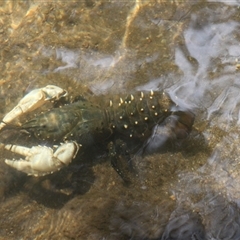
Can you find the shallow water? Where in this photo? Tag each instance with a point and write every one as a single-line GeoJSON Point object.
{"type": "Point", "coordinates": [189, 48]}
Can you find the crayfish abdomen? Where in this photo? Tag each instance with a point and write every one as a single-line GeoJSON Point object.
{"type": "Point", "coordinates": [135, 115]}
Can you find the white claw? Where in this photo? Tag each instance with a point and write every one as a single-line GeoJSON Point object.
{"type": "Point", "coordinates": [2, 125]}
{"type": "Point", "coordinates": [32, 101]}
{"type": "Point", "coordinates": [53, 92]}
{"type": "Point", "coordinates": [41, 160]}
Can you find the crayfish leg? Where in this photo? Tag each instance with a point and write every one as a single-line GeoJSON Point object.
{"type": "Point", "coordinates": [120, 159]}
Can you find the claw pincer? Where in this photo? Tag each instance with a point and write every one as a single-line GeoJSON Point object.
{"type": "Point", "coordinates": [32, 101]}
{"type": "Point", "coordinates": [41, 160]}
